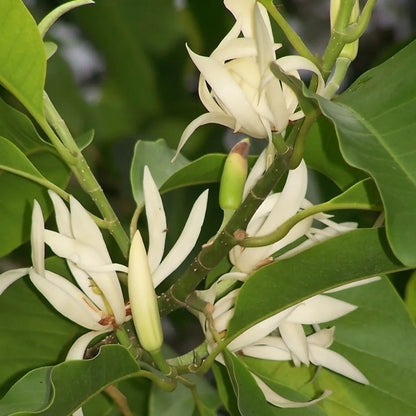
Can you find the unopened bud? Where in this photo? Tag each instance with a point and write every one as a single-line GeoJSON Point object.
{"type": "Point", "coordinates": [234, 176]}
{"type": "Point", "coordinates": [143, 301]}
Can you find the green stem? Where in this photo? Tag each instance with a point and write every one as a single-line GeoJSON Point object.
{"type": "Point", "coordinates": [160, 362]}
{"type": "Point", "coordinates": [356, 30]}
{"type": "Point", "coordinates": [341, 66]}
{"type": "Point", "coordinates": [195, 394]}
{"type": "Point", "coordinates": [284, 229]}
{"type": "Point", "coordinates": [213, 252]}
{"type": "Point", "coordinates": [337, 41]}
{"type": "Point", "coordinates": [290, 34]}
{"type": "Point", "coordinates": [164, 384]}
{"type": "Point", "coordinates": [71, 154]}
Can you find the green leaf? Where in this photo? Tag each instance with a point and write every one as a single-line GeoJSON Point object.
{"type": "Point", "coordinates": [22, 56]}
{"type": "Point", "coordinates": [181, 401]}
{"type": "Point", "coordinates": [410, 296]}
{"type": "Point", "coordinates": [85, 139]}
{"type": "Point", "coordinates": [363, 194]}
{"type": "Point", "coordinates": [368, 337]}
{"type": "Point", "coordinates": [112, 364]}
{"type": "Point", "coordinates": [323, 266]}
{"type": "Point", "coordinates": [157, 156]}
{"type": "Point", "coordinates": [375, 124]}
{"type": "Point", "coordinates": [322, 154]}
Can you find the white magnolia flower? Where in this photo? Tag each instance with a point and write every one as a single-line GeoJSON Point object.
{"type": "Point", "coordinates": [236, 85]}
{"type": "Point", "coordinates": [99, 304]}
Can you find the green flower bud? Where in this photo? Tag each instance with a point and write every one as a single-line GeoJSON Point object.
{"type": "Point", "coordinates": [143, 301]}
{"type": "Point", "coordinates": [234, 176]}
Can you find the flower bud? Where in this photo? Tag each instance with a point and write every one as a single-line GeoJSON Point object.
{"type": "Point", "coordinates": [234, 176]}
{"type": "Point", "coordinates": [143, 302]}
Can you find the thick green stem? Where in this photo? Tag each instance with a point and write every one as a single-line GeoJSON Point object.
{"type": "Point", "coordinates": [214, 251]}
{"type": "Point", "coordinates": [356, 30]}
{"type": "Point", "coordinates": [290, 34]}
{"type": "Point", "coordinates": [68, 149]}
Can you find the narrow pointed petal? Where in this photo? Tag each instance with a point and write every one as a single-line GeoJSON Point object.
{"type": "Point", "coordinates": [62, 214]}
{"type": "Point", "coordinates": [185, 242]}
{"type": "Point", "coordinates": [9, 277]}
{"type": "Point", "coordinates": [86, 230]}
{"type": "Point", "coordinates": [207, 118]}
{"type": "Point", "coordinates": [37, 239]}
{"type": "Point", "coordinates": [156, 220]}
{"type": "Point", "coordinates": [355, 284]}
{"type": "Point", "coordinates": [279, 401]}
{"type": "Point", "coordinates": [294, 337]}
{"type": "Point", "coordinates": [225, 303]}
{"type": "Point", "coordinates": [320, 308]}
{"type": "Point", "coordinates": [258, 331]}
{"type": "Point", "coordinates": [322, 338]}
{"type": "Point", "coordinates": [242, 277]}
{"type": "Point", "coordinates": [67, 299]}
{"type": "Point", "coordinates": [264, 41]}
{"type": "Point", "coordinates": [77, 350]}
{"type": "Point", "coordinates": [267, 352]}
{"type": "Point", "coordinates": [335, 362]}
{"type": "Point", "coordinates": [256, 171]}
{"type": "Point", "coordinates": [229, 92]}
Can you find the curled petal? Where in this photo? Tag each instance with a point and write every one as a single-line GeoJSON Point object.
{"type": "Point", "coordinates": [335, 362]}
{"type": "Point", "coordinates": [185, 242]}
{"type": "Point", "coordinates": [9, 277]}
{"type": "Point", "coordinates": [156, 220]}
{"type": "Point", "coordinates": [67, 299]}
{"type": "Point", "coordinates": [277, 400]}
{"type": "Point", "coordinates": [320, 308]}
{"type": "Point", "coordinates": [323, 338]}
{"type": "Point", "coordinates": [77, 350]}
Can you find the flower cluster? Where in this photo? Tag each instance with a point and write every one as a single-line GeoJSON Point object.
{"type": "Point", "coordinates": [236, 85]}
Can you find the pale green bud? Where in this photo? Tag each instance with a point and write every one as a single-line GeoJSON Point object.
{"type": "Point", "coordinates": [234, 176]}
{"type": "Point", "coordinates": [143, 301]}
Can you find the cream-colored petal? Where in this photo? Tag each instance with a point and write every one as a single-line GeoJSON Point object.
{"type": "Point", "coordinates": [319, 309]}
{"type": "Point", "coordinates": [229, 92]}
{"type": "Point", "coordinates": [264, 42]}
{"type": "Point", "coordinates": [355, 284]}
{"type": "Point", "coordinates": [225, 303]}
{"type": "Point", "coordinates": [185, 242]}
{"type": "Point", "coordinates": [86, 230]}
{"type": "Point", "coordinates": [335, 362]}
{"type": "Point", "coordinates": [207, 99]}
{"type": "Point", "coordinates": [294, 337]}
{"type": "Point", "coordinates": [77, 350]}
{"type": "Point", "coordinates": [255, 173]}
{"type": "Point", "coordinates": [267, 352]}
{"type": "Point", "coordinates": [67, 299]}
{"type": "Point", "coordinates": [275, 399]}
{"type": "Point", "coordinates": [156, 220]}
{"type": "Point", "coordinates": [207, 118]}
{"type": "Point", "coordinates": [37, 239]}
{"type": "Point", "coordinates": [9, 277]}
{"type": "Point", "coordinates": [323, 338]}
{"type": "Point", "coordinates": [62, 214]}
{"type": "Point", "coordinates": [258, 331]}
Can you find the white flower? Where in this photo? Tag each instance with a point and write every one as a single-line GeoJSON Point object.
{"type": "Point", "coordinates": [236, 85]}
{"type": "Point", "coordinates": [99, 306]}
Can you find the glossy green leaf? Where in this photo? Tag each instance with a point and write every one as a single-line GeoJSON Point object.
{"type": "Point", "coordinates": [323, 266]}
{"type": "Point", "coordinates": [410, 296]}
{"type": "Point", "coordinates": [71, 383]}
{"type": "Point", "coordinates": [376, 126]}
{"type": "Point", "coordinates": [322, 154]}
{"type": "Point", "coordinates": [369, 338]}
{"type": "Point", "coordinates": [158, 157]}
{"type": "Point", "coordinates": [364, 195]}
{"type": "Point", "coordinates": [22, 56]}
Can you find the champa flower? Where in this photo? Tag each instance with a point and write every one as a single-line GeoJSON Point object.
{"type": "Point", "coordinates": [236, 85]}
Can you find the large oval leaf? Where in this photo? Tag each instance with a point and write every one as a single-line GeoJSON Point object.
{"type": "Point", "coordinates": [375, 122]}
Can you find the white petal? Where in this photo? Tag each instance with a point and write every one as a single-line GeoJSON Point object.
{"type": "Point", "coordinates": [9, 277]}
{"type": "Point", "coordinates": [335, 362]}
{"type": "Point", "coordinates": [256, 171]}
{"type": "Point", "coordinates": [225, 303]}
{"type": "Point", "coordinates": [320, 308]}
{"type": "Point", "coordinates": [264, 40]}
{"type": "Point", "coordinates": [242, 277]}
{"type": "Point", "coordinates": [277, 400]}
{"type": "Point", "coordinates": [295, 339]}
{"type": "Point", "coordinates": [86, 230]}
{"type": "Point", "coordinates": [185, 242]}
{"type": "Point", "coordinates": [354, 284]}
{"type": "Point", "coordinates": [77, 350]}
{"type": "Point", "coordinates": [62, 214]}
{"type": "Point", "coordinates": [229, 92]}
{"type": "Point", "coordinates": [67, 299]}
{"type": "Point", "coordinates": [258, 331]}
{"type": "Point", "coordinates": [267, 352]}
{"type": "Point", "coordinates": [156, 220]}
{"type": "Point", "coordinates": [207, 118]}
{"type": "Point", "coordinates": [322, 338]}
{"type": "Point", "coordinates": [37, 239]}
